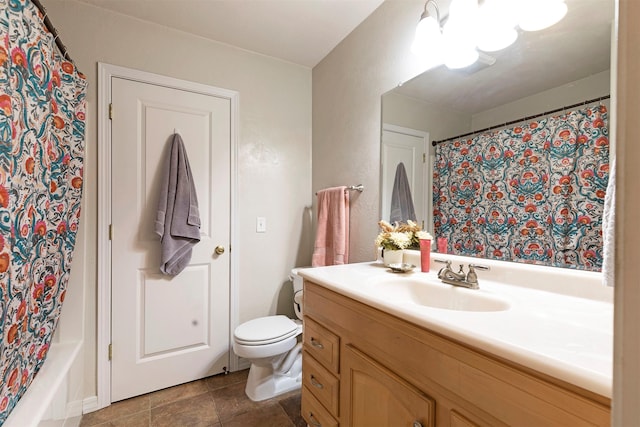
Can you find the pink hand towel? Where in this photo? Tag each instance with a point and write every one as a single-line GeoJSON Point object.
{"type": "Point", "coordinates": [332, 235]}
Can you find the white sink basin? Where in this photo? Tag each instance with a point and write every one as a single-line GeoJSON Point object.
{"type": "Point", "coordinates": [436, 295]}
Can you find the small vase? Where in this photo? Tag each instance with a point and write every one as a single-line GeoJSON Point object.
{"type": "Point", "coordinates": [425, 254]}
{"type": "Point", "coordinates": [392, 257]}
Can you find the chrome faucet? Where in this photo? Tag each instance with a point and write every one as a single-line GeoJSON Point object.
{"type": "Point", "coordinates": [468, 280]}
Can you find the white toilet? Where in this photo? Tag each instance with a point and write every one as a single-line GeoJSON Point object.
{"type": "Point", "coordinates": [271, 344]}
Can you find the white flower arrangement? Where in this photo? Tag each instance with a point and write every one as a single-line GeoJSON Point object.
{"type": "Point", "coordinates": [400, 236]}
{"type": "Point", "coordinates": [393, 241]}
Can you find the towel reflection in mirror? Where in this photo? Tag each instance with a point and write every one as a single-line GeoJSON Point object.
{"type": "Point", "coordinates": [402, 209]}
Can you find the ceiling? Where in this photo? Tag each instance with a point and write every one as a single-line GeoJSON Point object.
{"type": "Point", "coordinates": [576, 47]}
{"type": "Point", "coordinates": [299, 31]}
{"type": "Point", "coordinates": [305, 31]}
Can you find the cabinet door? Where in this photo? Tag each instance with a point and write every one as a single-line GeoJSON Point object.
{"type": "Point", "coordinates": [374, 396]}
{"type": "Point", "coordinates": [458, 420]}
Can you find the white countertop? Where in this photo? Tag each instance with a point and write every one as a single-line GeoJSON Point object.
{"type": "Point", "coordinates": [564, 336]}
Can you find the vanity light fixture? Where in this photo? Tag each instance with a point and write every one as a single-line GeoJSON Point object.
{"type": "Point", "coordinates": [485, 25]}
{"type": "Point", "coordinates": [428, 39]}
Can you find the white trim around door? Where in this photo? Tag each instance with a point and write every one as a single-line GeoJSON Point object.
{"type": "Point", "coordinates": [106, 73]}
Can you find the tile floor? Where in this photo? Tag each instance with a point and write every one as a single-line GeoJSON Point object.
{"type": "Point", "coordinates": [217, 401]}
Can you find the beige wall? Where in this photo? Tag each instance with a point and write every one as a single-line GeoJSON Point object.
{"type": "Point", "coordinates": [581, 90]}
{"type": "Point", "coordinates": [401, 110]}
{"type": "Point", "coordinates": [347, 85]}
{"type": "Point", "coordinates": [274, 150]}
{"type": "Point", "coordinates": [405, 111]}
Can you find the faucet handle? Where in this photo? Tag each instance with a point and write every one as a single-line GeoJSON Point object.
{"type": "Point", "coordinates": [443, 270]}
{"type": "Point", "coordinates": [480, 267]}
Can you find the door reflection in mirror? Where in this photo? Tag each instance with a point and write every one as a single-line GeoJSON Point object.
{"type": "Point", "coordinates": [407, 146]}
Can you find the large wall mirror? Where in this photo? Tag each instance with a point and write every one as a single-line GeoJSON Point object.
{"type": "Point", "coordinates": [560, 66]}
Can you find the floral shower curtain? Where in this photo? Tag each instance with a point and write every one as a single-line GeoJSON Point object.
{"type": "Point", "coordinates": [531, 194]}
{"type": "Point", "coordinates": [42, 112]}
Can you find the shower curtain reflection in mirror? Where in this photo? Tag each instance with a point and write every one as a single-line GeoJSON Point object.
{"type": "Point", "coordinates": [532, 193]}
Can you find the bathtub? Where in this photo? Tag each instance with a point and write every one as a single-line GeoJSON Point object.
{"type": "Point", "coordinates": [54, 397]}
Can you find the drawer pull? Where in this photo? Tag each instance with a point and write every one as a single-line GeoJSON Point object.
{"type": "Point", "coordinates": [314, 422]}
{"type": "Point", "coordinates": [315, 382]}
{"type": "Point", "coordinates": [417, 424]}
{"type": "Point", "coordinates": [316, 344]}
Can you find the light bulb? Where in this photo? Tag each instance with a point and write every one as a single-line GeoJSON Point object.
{"type": "Point", "coordinates": [537, 15]}
{"type": "Point", "coordinates": [496, 25]}
{"type": "Point", "coordinates": [459, 49]}
{"type": "Point", "coordinates": [428, 38]}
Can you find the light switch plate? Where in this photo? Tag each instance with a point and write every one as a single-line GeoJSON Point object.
{"type": "Point", "coordinates": [261, 224]}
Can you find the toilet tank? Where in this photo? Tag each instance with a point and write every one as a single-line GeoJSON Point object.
{"type": "Point", "coordinates": [297, 291]}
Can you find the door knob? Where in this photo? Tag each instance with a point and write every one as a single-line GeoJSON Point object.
{"type": "Point", "coordinates": [219, 250]}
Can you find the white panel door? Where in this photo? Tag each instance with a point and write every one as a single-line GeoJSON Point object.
{"type": "Point", "coordinates": [167, 330]}
{"type": "Point", "coordinates": [406, 146]}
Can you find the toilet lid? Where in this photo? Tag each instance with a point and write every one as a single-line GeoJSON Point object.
{"type": "Point", "coordinates": [265, 330]}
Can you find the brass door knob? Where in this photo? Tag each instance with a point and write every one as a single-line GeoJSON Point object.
{"type": "Point", "coordinates": [219, 250]}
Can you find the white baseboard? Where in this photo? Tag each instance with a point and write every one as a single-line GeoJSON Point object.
{"type": "Point", "coordinates": [90, 404]}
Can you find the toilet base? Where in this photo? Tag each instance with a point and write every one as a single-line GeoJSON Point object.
{"type": "Point", "coordinates": [263, 383]}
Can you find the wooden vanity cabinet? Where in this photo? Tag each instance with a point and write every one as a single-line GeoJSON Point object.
{"type": "Point", "coordinates": [380, 370]}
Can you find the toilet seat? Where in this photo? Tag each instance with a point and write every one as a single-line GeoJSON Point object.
{"type": "Point", "coordinates": [266, 330]}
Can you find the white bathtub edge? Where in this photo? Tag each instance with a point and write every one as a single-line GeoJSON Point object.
{"type": "Point", "coordinates": [33, 405]}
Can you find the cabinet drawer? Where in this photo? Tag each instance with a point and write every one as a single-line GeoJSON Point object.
{"type": "Point", "coordinates": [322, 344]}
{"type": "Point", "coordinates": [320, 382]}
{"type": "Point", "coordinates": [314, 413]}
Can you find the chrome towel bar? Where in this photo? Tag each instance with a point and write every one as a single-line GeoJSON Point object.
{"type": "Point", "coordinates": [359, 188]}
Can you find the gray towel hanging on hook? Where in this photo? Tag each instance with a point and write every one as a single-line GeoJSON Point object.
{"type": "Point", "coordinates": [401, 201]}
{"type": "Point", "coordinates": [178, 218]}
